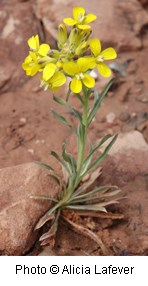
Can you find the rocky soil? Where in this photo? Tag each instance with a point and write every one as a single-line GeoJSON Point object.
{"type": "Point", "coordinates": [28, 130]}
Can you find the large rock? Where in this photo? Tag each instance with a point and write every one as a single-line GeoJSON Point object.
{"type": "Point", "coordinates": [18, 212]}
{"type": "Point", "coordinates": [144, 2]}
{"type": "Point", "coordinates": [17, 24]}
{"type": "Point", "coordinates": [128, 158]}
{"type": "Point", "coordinates": [119, 23]}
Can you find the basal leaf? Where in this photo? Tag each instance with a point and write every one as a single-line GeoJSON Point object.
{"type": "Point", "coordinates": [48, 167]}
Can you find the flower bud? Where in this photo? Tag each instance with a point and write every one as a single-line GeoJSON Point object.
{"type": "Point", "coordinates": [81, 48]}
{"type": "Point", "coordinates": [62, 35]}
{"type": "Point", "coordinates": [74, 37]}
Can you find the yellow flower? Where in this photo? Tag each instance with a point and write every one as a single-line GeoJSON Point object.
{"type": "Point", "coordinates": [30, 64]}
{"type": "Point", "coordinates": [101, 56]}
{"type": "Point", "coordinates": [49, 71]}
{"type": "Point", "coordinates": [78, 70]}
{"type": "Point", "coordinates": [80, 19]}
{"type": "Point", "coordinates": [54, 81]}
{"type": "Point", "coordinates": [34, 45]}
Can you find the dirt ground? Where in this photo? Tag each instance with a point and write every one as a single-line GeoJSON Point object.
{"type": "Point", "coordinates": [28, 131]}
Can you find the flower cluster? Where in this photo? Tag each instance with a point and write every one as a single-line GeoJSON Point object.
{"type": "Point", "coordinates": [75, 57]}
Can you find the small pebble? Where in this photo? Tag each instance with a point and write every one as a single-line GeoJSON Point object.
{"type": "Point", "coordinates": [31, 151]}
{"type": "Point", "coordinates": [110, 117]}
{"type": "Point", "coordinates": [23, 120]}
{"type": "Point", "coordinates": [124, 116]}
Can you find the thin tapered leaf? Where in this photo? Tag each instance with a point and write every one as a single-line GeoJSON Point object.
{"type": "Point", "coordinates": [52, 231]}
{"type": "Point", "coordinates": [43, 197]}
{"type": "Point", "coordinates": [92, 198]}
{"type": "Point", "coordinates": [103, 155]}
{"type": "Point", "coordinates": [44, 219]}
{"type": "Point", "coordinates": [93, 207]}
{"type": "Point", "coordinates": [68, 158]}
{"type": "Point", "coordinates": [97, 101]}
{"type": "Point", "coordinates": [89, 157]}
{"type": "Point", "coordinates": [87, 184]}
{"type": "Point", "coordinates": [48, 167]}
{"type": "Point", "coordinates": [61, 119]}
{"type": "Point", "coordinates": [79, 195]}
{"type": "Point", "coordinates": [64, 103]}
{"type": "Point", "coordinates": [87, 207]}
{"type": "Point", "coordinates": [57, 178]}
{"type": "Point", "coordinates": [54, 154]}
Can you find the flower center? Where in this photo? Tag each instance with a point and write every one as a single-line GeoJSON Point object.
{"type": "Point", "coordinates": [79, 76]}
{"type": "Point", "coordinates": [80, 18]}
{"type": "Point", "coordinates": [100, 59]}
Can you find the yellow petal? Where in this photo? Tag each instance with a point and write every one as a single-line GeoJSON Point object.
{"type": "Point", "coordinates": [49, 71]}
{"type": "Point", "coordinates": [28, 72]}
{"type": "Point", "coordinates": [58, 79]}
{"type": "Point", "coordinates": [33, 42]}
{"type": "Point", "coordinates": [28, 59]}
{"type": "Point", "coordinates": [88, 81]}
{"type": "Point", "coordinates": [37, 41]}
{"type": "Point", "coordinates": [33, 56]}
{"type": "Point", "coordinates": [95, 46]}
{"type": "Point", "coordinates": [78, 12]}
{"type": "Point", "coordinates": [90, 18]}
{"type": "Point", "coordinates": [34, 69]}
{"type": "Point", "coordinates": [76, 85]}
{"type": "Point", "coordinates": [83, 64]}
{"type": "Point", "coordinates": [91, 62]}
{"type": "Point", "coordinates": [84, 27]}
{"type": "Point", "coordinates": [25, 66]}
{"type": "Point", "coordinates": [70, 21]}
{"type": "Point", "coordinates": [43, 50]}
{"type": "Point", "coordinates": [109, 54]}
{"type": "Point", "coordinates": [104, 70]}
{"type": "Point", "coordinates": [70, 68]}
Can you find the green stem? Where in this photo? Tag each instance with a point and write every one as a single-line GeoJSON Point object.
{"type": "Point", "coordinates": [81, 147]}
{"type": "Point", "coordinates": [75, 180]}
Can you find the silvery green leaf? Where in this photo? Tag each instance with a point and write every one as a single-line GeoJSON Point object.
{"type": "Point", "coordinates": [61, 119]}
{"type": "Point", "coordinates": [103, 155]}
{"type": "Point", "coordinates": [48, 167]}
{"type": "Point", "coordinates": [64, 103]}
{"type": "Point", "coordinates": [97, 101]}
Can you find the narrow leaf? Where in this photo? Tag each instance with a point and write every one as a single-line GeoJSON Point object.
{"type": "Point", "coordinates": [88, 159]}
{"type": "Point", "coordinates": [43, 197]}
{"type": "Point", "coordinates": [54, 154]}
{"type": "Point", "coordinates": [97, 101]}
{"type": "Point", "coordinates": [86, 207]}
{"type": "Point", "coordinates": [87, 184]}
{"type": "Point", "coordinates": [92, 198]}
{"type": "Point", "coordinates": [103, 155]}
{"type": "Point", "coordinates": [62, 102]}
{"type": "Point", "coordinates": [43, 220]}
{"type": "Point", "coordinates": [44, 166]}
{"type": "Point", "coordinates": [61, 119]}
{"type": "Point", "coordinates": [68, 158]}
{"type": "Point", "coordinates": [96, 190]}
